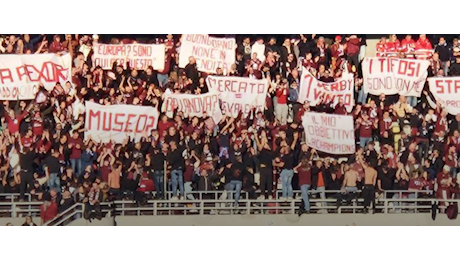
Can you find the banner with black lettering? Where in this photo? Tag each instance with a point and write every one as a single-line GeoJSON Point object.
{"type": "Point", "coordinates": [333, 134]}
{"type": "Point", "coordinates": [139, 56]}
{"type": "Point", "coordinates": [238, 94]}
{"type": "Point", "coordinates": [387, 75]}
{"type": "Point", "coordinates": [21, 75]}
{"type": "Point", "coordinates": [210, 52]}
{"type": "Point", "coordinates": [190, 105]}
{"type": "Point", "coordinates": [314, 90]}
{"type": "Point", "coordinates": [446, 90]}
{"type": "Point", "coordinates": [116, 122]}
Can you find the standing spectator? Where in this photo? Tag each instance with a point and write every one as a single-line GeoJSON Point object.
{"type": "Point", "coordinates": [352, 50]}
{"type": "Point", "coordinates": [75, 146]}
{"type": "Point", "coordinates": [319, 181]}
{"type": "Point", "coordinates": [191, 71]}
{"type": "Point", "coordinates": [304, 171]}
{"type": "Point", "coordinates": [370, 178]}
{"type": "Point", "coordinates": [257, 45]}
{"type": "Point", "coordinates": [266, 164]}
{"type": "Point", "coordinates": [53, 170]}
{"type": "Point", "coordinates": [281, 107]}
{"type": "Point", "coordinates": [26, 161]}
{"type": "Point", "coordinates": [337, 52]}
{"type": "Point", "coordinates": [381, 47]}
{"type": "Point", "coordinates": [177, 163]}
{"type": "Point", "coordinates": [48, 210]}
{"type": "Point", "coordinates": [93, 207]}
{"type": "Point", "coordinates": [56, 46]}
{"type": "Point", "coordinates": [245, 49]}
{"type": "Point", "coordinates": [286, 49]}
{"type": "Point", "coordinates": [445, 54]}
{"type": "Point", "coordinates": [407, 44]}
{"type": "Point", "coordinates": [157, 160]}
{"type": "Point", "coordinates": [272, 47]}
{"type": "Point", "coordinates": [385, 179]}
{"type": "Point", "coordinates": [114, 180]}
{"type": "Point", "coordinates": [293, 99]}
{"type": "Point", "coordinates": [423, 43]}
{"type": "Point", "coordinates": [365, 126]}
{"type": "Point", "coordinates": [393, 45]}
{"type": "Point", "coordinates": [236, 175]}
{"type": "Point", "coordinates": [286, 162]}
{"type": "Point", "coordinates": [444, 181]}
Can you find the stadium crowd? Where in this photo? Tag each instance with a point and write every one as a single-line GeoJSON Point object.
{"type": "Point", "coordinates": [43, 151]}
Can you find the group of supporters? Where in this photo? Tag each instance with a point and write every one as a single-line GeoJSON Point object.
{"type": "Point", "coordinates": [45, 152]}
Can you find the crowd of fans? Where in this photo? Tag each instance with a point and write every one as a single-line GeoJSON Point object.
{"type": "Point", "coordinates": [403, 143]}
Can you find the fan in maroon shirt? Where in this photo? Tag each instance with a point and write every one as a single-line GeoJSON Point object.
{"type": "Point", "coordinates": [164, 125]}
{"type": "Point", "coordinates": [441, 123]}
{"type": "Point", "coordinates": [444, 180]}
{"type": "Point", "coordinates": [340, 108]}
{"type": "Point", "coordinates": [28, 139]}
{"type": "Point", "coordinates": [282, 93]}
{"type": "Point", "coordinates": [14, 121]}
{"type": "Point", "coordinates": [365, 126]}
{"type": "Point", "coordinates": [37, 124]}
{"type": "Point", "coordinates": [75, 144]}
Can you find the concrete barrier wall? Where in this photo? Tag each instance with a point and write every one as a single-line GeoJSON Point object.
{"type": "Point", "coordinates": [265, 220]}
{"type": "Point", "coordinates": [18, 221]}
{"type": "Point", "coordinates": [78, 222]}
{"type": "Point", "coordinates": [292, 220]}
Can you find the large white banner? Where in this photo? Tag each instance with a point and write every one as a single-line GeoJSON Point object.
{"type": "Point", "coordinates": [21, 75]}
{"type": "Point", "coordinates": [312, 90]}
{"type": "Point", "coordinates": [210, 52]}
{"type": "Point", "coordinates": [239, 94]}
{"type": "Point", "coordinates": [190, 105]}
{"type": "Point", "coordinates": [447, 92]}
{"type": "Point", "coordinates": [139, 56]}
{"type": "Point", "coordinates": [387, 75]}
{"type": "Point", "coordinates": [116, 122]}
{"type": "Point", "coordinates": [329, 133]}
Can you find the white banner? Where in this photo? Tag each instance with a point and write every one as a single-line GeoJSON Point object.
{"type": "Point", "coordinates": [387, 75]}
{"type": "Point", "coordinates": [239, 94]}
{"type": "Point", "coordinates": [116, 122]}
{"type": "Point", "coordinates": [139, 56]}
{"type": "Point", "coordinates": [312, 90]}
{"type": "Point", "coordinates": [333, 134]}
{"type": "Point", "coordinates": [210, 52]}
{"type": "Point", "coordinates": [190, 105]}
{"type": "Point", "coordinates": [20, 75]}
{"type": "Point", "coordinates": [447, 92]}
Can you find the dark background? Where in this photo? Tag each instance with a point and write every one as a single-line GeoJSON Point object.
{"type": "Point", "coordinates": [280, 37]}
{"type": "Point", "coordinates": [149, 38]}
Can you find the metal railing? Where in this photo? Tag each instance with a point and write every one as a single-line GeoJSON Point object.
{"type": "Point", "coordinates": [222, 203]}
{"type": "Point", "coordinates": [395, 204]}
